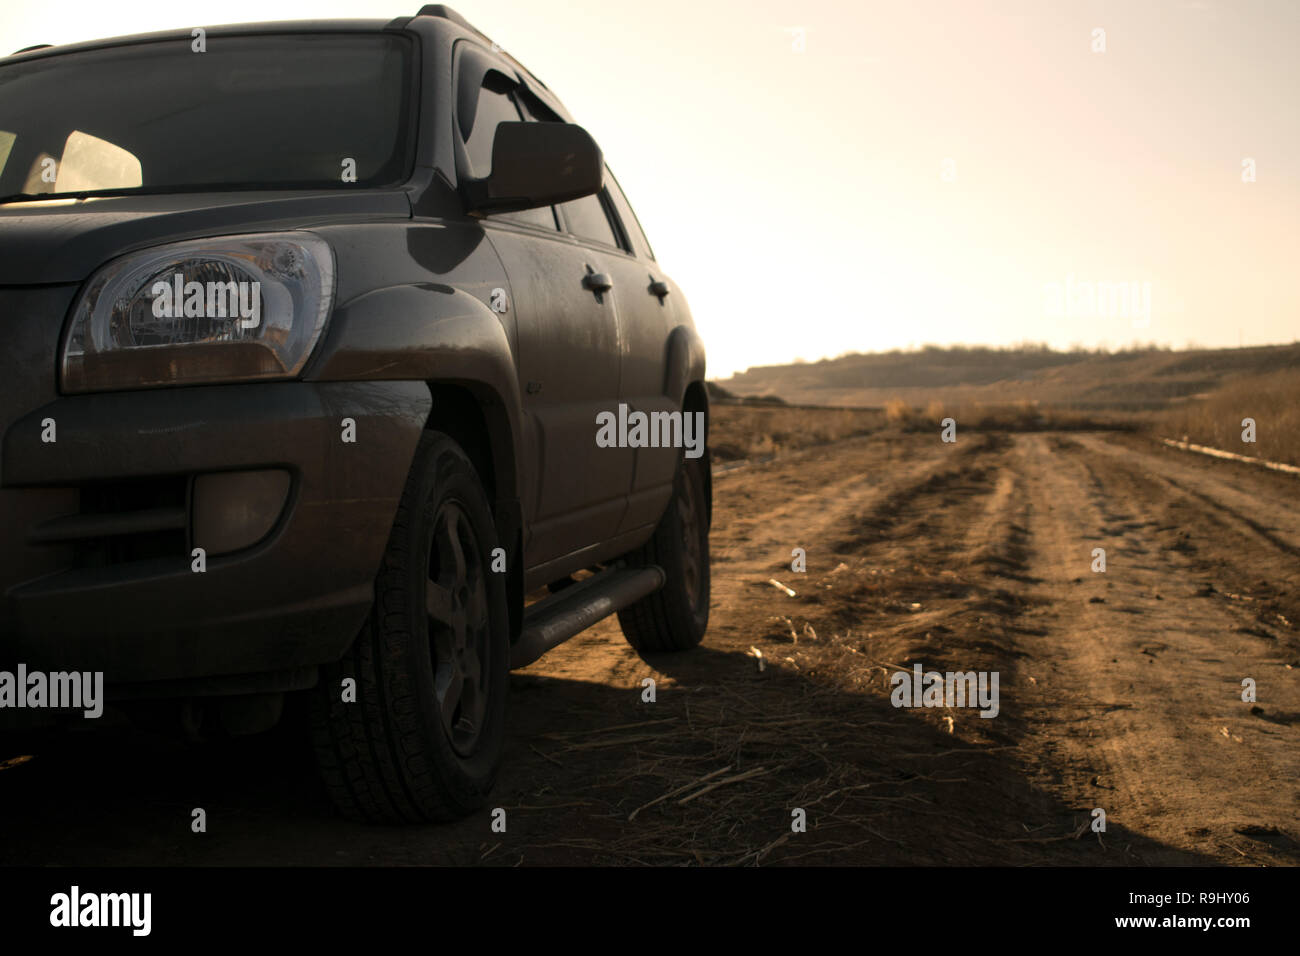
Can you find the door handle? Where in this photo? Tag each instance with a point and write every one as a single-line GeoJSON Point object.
{"type": "Point", "coordinates": [597, 282]}
{"type": "Point", "coordinates": [658, 288]}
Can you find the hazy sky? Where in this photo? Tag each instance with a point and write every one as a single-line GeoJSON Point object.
{"type": "Point", "coordinates": [911, 172]}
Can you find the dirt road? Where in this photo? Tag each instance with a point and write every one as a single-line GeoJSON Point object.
{"type": "Point", "coordinates": [1119, 690]}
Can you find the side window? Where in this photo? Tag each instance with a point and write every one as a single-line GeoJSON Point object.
{"type": "Point", "coordinates": [494, 107]}
{"type": "Point", "coordinates": [535, 109]}
{"type": "Point", "coordinates": [586, 218]}
{"type": "Point", "coordinates": [625, 213]}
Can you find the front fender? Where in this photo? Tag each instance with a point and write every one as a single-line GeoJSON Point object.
{"type": "Point", "coordinates": [428, 331]}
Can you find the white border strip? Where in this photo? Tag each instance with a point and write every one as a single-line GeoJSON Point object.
{"type": "Point", "coordinates": [1216, 453]}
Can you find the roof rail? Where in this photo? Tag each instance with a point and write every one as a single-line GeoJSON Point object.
{"type": "Point", "coordinates": [447, 13]}
{"type": "Point", "coordinates": [38, 46]}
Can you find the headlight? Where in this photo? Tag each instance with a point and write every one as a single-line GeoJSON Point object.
{"type": "Point", "coordinates": [227, 309]}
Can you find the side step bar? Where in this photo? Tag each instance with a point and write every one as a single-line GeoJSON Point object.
{"type": "Point", "coordinates": [553, 620]}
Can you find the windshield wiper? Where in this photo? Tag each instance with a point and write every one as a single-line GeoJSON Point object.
{"type": "Point", "coordinates": [80, 193]}
{"type": "Point", "coordinates": [23, 197]}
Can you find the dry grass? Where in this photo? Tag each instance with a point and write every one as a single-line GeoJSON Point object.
{"type": "Point", "coordinates": [714, 779]}
{"type": "Point", "coordinates": [1272, 400]}
{"type": "Point", "coordinates": [1022, 415]}
{"type": "Point", "coordinates": [743, 431]}
{"type": "Point", "coordinates": [755, 432]}
{"type": "Point", "coordinates": [716, 784]}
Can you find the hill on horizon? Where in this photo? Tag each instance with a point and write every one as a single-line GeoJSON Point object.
{"type": "Point", "coordinates": [1140, 379]}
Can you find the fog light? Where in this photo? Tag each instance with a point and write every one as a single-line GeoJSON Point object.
{"type": "Point", "coordinates": [236, 509]}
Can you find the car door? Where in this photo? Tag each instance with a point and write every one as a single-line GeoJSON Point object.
{"type": "Point", "coordinates": [642, 295]}
{"type": "Point", "coordinates": [568, 355]}
{"type": "Point", "coordinates": [606, 226]}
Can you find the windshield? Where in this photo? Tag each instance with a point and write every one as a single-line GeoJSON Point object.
{"type": "Point", "coordinates": [261, 112]}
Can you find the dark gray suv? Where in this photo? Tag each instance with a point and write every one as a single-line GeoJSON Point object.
{"type": "Point", "coordinates": [335, 362]}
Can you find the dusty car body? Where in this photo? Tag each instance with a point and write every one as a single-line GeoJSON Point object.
{"type": "Point", "coordinates": [212, 511]}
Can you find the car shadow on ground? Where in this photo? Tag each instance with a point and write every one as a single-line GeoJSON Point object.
{"type": "Point", "coordinates": [713, 771]}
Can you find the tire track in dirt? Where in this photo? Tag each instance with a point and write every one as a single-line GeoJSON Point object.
{"type": "Point", "coordinates": [1243, 557]}
{"type": "Point", "coordinates": [1268, 505]}
{"type": "Point", "coordinates": [1139, 670]}
{"type": "Point", "coordinates": [943, 574]}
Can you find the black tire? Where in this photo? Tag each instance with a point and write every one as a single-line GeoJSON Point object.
{"type": "Point", "coordinates": [423, 740]}
{"type": "Point", "coordinates": [675, 617]}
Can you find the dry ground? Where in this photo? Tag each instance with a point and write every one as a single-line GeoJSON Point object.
{"type": "Point", "coordinates": [1118, 690]}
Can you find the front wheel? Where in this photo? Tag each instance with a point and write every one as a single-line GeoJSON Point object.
{"type": "Point", "coordinates": [675, 617]}
{"type": "Point", "coordinates": [419, 736]}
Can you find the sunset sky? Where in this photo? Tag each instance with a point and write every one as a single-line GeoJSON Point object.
{"type": "Point", "coordinates": [918, 172]}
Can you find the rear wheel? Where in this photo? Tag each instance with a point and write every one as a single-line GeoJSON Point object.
{"type": "Point", "coordinates": [421, 738]}
{"type": "Point", "coordinates": [675, 617]}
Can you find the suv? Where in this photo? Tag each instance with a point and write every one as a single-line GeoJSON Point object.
{"type": "Point", "coordinates": [337, 362]}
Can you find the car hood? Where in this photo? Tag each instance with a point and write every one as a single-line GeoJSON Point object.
{"type": "Point", "coordinates": [65, 240]}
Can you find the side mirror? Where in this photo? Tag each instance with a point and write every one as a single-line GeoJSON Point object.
{"type": "Point", "coordinates": [537, 164]}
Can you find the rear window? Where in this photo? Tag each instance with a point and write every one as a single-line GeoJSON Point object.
{"type": "Point", "coordinates": [267, 111]}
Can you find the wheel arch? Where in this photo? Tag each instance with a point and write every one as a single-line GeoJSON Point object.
{"type": "Point", "coordinates": [474, 416]}
{"type": "Point", "coordinates": [696, 399]}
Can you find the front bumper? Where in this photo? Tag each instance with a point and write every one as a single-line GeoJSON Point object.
{"type": "Point", "coordinates": [111, 587]}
